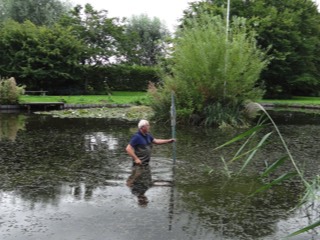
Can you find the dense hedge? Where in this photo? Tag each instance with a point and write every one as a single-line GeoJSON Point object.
{"type": "Point", "coordinates": [99, 80]}
{"type": "Point", "coordinates": [122, 78]}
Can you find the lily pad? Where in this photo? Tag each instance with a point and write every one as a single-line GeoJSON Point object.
{"type": "Point", "coordinates": [133, 113]}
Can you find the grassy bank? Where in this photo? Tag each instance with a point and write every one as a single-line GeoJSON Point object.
{"type": "Point", "coordinates": [293, 101]}
{"type": "Point", "coordinates": [122, 97]}
{"type": "Point", "coordinates": [114, 98]}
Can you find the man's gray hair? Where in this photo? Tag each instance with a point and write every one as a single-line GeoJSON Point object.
{"type": "Point", "coordinates": [142, 123]}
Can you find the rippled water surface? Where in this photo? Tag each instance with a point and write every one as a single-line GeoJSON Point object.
{"type": "Point", "coordinates": [71, 179]}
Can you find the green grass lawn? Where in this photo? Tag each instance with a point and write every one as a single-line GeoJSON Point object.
{"type": "Point", "coordinates": [119, 97]}
{"type": "Point", "coordinates": [123, 97]}
{"type": "Point", "coordinates": [294, 101]}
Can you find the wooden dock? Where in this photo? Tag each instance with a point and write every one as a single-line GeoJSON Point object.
{"type": "Point", "coordinates": [42, 106]}
{"type": "Point", "coordinates": [47, 106]}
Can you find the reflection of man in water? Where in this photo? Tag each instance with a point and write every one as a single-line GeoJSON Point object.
{"type": "Point", "coordinates": [140, 181]}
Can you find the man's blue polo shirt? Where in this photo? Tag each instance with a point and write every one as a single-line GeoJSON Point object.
{"type": "Point", "coordinates": [142, 145]}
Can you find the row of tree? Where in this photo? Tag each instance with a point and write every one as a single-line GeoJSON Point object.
{"type": "Point", "coordinates": [289, 29]}
{"type": "Point", "coordinates": [48, 44]}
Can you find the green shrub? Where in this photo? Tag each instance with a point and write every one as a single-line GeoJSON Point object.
{"type": "Point", "coordinates": [211, 71]}
{"type": "Point", "coordinates": [9, 91]}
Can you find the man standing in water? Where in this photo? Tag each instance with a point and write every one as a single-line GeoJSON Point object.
{"type": "Point", "coordinates": [139, 148]}
{"type": "Point", "coordinates": [140, 145]}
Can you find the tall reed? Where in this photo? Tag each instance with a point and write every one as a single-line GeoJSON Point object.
{"type": "Point", "coordinates": [247, 153]}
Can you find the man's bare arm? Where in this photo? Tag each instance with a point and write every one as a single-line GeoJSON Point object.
{"type": "Point", "coordinates": [163, 141]}
{"type": "Point", "coordinates": [130, 151]}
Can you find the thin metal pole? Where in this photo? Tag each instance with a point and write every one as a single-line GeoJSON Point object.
{"type": "Point", "coordinates": [226, 54]}
{"type": "Point", "coordinates": [228, 18]}
{"type": "Point", "coordinates": [171, 200]}
{"type": "Point", "coordinates": [173, 126]}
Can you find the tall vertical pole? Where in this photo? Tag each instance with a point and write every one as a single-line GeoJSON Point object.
{"type": "Point", "coordinates": [228, 19]}
{"type": "Point", "coordinates": [226, 53]}
{"type": "Point", "coordinates": [173, 125]}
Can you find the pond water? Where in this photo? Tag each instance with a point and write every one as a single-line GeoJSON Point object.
{"type": "Point", "coordinates": [71, 179]}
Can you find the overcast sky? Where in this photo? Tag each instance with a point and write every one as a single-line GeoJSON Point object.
{"type": "Point", "coordinates": [168, 11]}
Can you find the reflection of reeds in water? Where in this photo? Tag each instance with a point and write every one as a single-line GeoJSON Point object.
{"type": "Point", "coordinates": [10, 125]}
{"type": "Point", "coordinates": [247, 151]}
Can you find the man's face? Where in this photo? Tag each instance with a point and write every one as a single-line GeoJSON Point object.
{"type": "Point", "coordinates": [145, 128]}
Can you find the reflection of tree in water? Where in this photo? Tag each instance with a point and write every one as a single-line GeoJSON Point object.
{"type": "Point", "coordinates": [10, 124]}
{"type": "Point", "coordinates": [47, 162]}
{"type": "Point", "coordinates": [100, 139]}
{"type": "Point", "coordinates": [82, 191]}
{"type": "Point", "coordinates": [45, 182]}
{"type": "Point", "coordinates": [227, 208]}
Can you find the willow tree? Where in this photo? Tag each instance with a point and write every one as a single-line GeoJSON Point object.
{"type": "Point", "coordinates": [147, 40]}
{"type": "Point", "coordinates": [213, 72]}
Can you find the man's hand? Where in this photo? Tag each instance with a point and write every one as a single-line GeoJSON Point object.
{"type": "Point", "coordinates": [137, 161]}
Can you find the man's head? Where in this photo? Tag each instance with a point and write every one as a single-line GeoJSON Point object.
{"type": "Point", "coordinates": [143, 200]}
{"type": "Point", "coordinates": [143, 126]}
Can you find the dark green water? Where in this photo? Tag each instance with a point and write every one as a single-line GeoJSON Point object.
{"type": "Point", "coordinates": [66, 179]}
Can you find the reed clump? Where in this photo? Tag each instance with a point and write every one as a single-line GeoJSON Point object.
{"type": "Point", "coordinates": [247, 152]}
